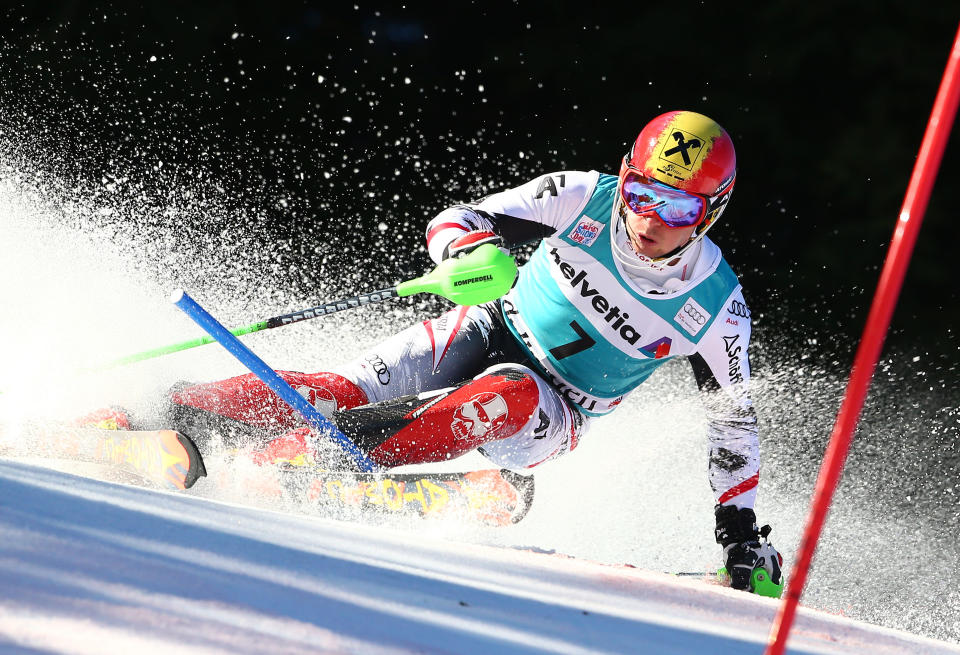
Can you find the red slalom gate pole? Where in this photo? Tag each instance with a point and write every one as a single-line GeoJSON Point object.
{"type": "Point", "coordinates": [878, 322]}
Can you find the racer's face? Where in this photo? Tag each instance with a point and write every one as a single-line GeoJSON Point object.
{"type": "Point", "coordinates": [652, 238]}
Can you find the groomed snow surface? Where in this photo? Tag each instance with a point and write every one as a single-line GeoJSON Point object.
{"type": "Point", "coordinates": [88, 566]}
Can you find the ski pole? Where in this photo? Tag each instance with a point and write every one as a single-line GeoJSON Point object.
{"type": "Point", "coordinates": [330, 307]}
{"type": "Point", "coordinates": [482, 275]}
{"type": "Point", "coordinates": [270, 377]}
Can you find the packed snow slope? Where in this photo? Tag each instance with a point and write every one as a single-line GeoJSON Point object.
{"type": "Point", "coordinates": [88, 566]}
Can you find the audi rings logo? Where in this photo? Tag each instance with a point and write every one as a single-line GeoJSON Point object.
{"type": "Point", "coordinates": [383, 373]}
{"type": "Point", "coordinates": [738, 308]}
{"type": "Point", "coordinates": [694, 314]}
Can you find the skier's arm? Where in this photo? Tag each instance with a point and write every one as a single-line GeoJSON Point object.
{"type": "Point", "coordinates": [523, 214]}
{"type": "Point", "coordinates": [722, 370]}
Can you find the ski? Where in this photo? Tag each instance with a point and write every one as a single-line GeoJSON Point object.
{"type": "Point", "coordinates": [760, 582]}
{"type": "Point", "coordinates": [161, 458]}
{"type": "Point", "coordinates": [170, 460]}
{"type": "Point", "coordinates": [495, 497]}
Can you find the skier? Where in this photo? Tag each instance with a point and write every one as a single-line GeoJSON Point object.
{"type": "Point", "coordinates": [624, 279]}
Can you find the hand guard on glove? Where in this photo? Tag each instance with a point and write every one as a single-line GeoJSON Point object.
{"type": "Point", "coordinates": [470, 241]}
{"type": "Point", "coordinates": [744, 552]}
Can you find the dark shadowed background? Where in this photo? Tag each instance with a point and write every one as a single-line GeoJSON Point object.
{"type": "Point", "coordinates": [337, 129]}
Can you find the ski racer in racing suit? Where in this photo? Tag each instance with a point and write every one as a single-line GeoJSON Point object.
{"type": "Point", "coordinates": [623, 280]}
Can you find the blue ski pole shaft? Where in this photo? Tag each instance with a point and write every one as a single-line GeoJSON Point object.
{"type": "Point", "coordinates": [259, 368]}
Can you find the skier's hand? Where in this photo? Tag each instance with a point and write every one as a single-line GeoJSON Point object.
{"type": "Point", "coordinates": [745, 549]}
{"type": "Point", "coordinates": [470, 241]}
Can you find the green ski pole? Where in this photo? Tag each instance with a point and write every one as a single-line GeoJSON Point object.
{"type": "Point", "coordinates": [478, 277]}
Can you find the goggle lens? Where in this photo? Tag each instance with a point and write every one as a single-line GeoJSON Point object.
{"type": "Point", "coordinates": [674, 207]}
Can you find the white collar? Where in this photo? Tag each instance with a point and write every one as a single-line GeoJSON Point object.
{"type": "Point", "coordinates": [666, 278]}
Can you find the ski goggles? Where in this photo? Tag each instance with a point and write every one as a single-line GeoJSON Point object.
{"type": "Point", "coordinates": [674, 207]}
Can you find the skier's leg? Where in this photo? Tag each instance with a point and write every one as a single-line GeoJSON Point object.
{"type": "Point", "coordinates": [246, 399]}
{"type": "Point", "coordinates": [509, 412]}
{"type": "Point", "coordinates": [436, 353]}
{"type": "Point", "coordinates": [555, 430]}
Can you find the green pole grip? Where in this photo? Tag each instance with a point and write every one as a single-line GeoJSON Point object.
{"type": "Point", "coordinates": [480, 276]}
{"type": "Point", "coordinates": [475, 278]}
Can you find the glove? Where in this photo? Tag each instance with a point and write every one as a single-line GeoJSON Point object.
{"type": "Point", "coordinates": [744, 552]}
{"type": "Point", "coordinates": [470, 241]}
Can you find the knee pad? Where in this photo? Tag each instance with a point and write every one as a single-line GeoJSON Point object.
{"type": "Point", "coordinates": [554, 429]}
{"type": "Point", "coordinates": [488, 411]}
{"type": "Point", "coordinates": [448, 423]}
{"type": "Point", "coordinates": [328, 392]}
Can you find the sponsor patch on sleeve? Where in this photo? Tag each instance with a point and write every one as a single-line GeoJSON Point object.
{"type": "Point", "coordinates": [586, 231]}
{"type": "Point", "coordinates": [692, 316]}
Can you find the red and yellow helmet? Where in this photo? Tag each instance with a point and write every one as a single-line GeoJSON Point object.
{"type": "Point", "coordinates": [682, 168]}
{"type": "Point", "coordinates": [687, 151]}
